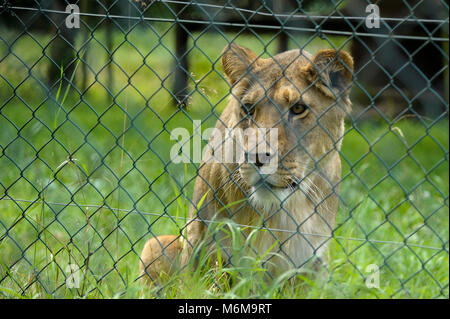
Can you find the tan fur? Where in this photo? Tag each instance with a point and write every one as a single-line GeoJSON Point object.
{"type": "Point", "coordinates": [308, 150]}
{"type": "Point", "coordinates": [160, 257]}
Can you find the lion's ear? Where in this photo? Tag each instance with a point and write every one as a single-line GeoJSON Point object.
{"type": "Point", "coordinates": [331, 72]}
{"type": "Point", "coordinates": [237, 61]}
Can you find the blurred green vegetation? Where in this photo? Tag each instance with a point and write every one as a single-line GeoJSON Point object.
{"type": "Point", "coordinates": [87, 179]}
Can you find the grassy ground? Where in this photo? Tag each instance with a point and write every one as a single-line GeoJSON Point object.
{"type": "Point", "coordinates": [97, 208]}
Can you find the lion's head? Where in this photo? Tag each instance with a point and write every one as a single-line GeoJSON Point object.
{"type": "Point", "coordinates": [305, 98]}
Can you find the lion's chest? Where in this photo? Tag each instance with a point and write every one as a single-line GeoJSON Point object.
{"type": "Point", "coordinates": [285, 241]}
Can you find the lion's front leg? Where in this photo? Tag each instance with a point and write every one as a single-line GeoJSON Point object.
{"type": "Point", "coordinates": [160, 258]}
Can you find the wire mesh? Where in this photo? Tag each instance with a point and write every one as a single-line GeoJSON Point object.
{"type": "Point", "coordinates": [89, 114]}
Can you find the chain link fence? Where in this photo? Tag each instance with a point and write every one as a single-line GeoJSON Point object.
{"type": "Point", "coordinates": [93, 95]}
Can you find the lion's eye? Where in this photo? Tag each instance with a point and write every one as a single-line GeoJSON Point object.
{"type": "Point", "coordinates": [248, 109]}
{"type": "Point", "coordinates": [299, 109]}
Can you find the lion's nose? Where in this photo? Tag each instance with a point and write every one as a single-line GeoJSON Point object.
{"type": "Point", "coordinates": [259, 159]}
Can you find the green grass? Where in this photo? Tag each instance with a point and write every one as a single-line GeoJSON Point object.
{"type": "Point", "coordinates": [97, 208]}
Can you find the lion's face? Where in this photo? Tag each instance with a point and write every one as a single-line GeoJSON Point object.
{"type": "Point", "coordinates": [305, 98]}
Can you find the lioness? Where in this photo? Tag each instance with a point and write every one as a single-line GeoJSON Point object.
{"type": "Point", "coordinates": [305, 98]}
